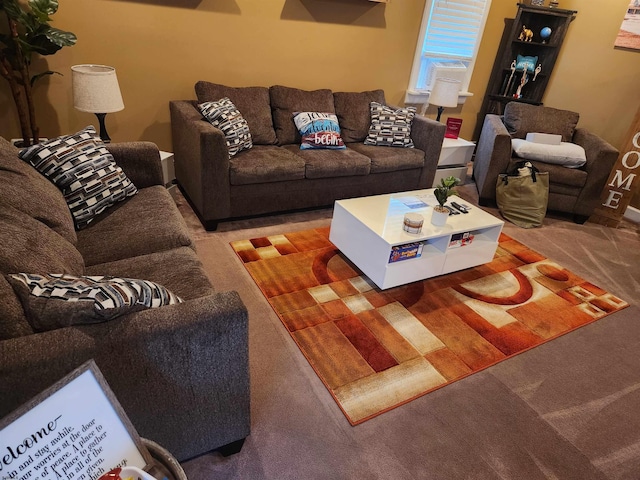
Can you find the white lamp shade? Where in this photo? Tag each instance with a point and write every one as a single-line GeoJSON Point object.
{"type": "Point", "coordinates": [445, 92]}
{"type": "Point", "coordinates": [96, 89]}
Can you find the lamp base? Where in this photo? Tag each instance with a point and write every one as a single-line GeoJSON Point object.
{"type": "Point", "coordinates": [103, 129]}
{"type": "Point", "coordinates": [440, 110]}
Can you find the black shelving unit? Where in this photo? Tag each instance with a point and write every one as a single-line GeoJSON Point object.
{"type": "Point", "coordinates": [505, 81]}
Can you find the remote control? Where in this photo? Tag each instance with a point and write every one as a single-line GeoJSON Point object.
{"type": "Point", "coordinates": [462, 208]}
{"type": "Point", "coordinates": [451, 210]}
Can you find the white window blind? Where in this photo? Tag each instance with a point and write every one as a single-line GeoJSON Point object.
{"type": "Point", "coordinates": [449, 40]}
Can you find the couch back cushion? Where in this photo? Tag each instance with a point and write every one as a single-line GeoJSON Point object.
{"type": "Point", "coordinates": [522, 118]}
{"type": "Point", "coordinates": [28, 245]}
{"type": "Point", "coordinates": [354, 113]}
{"type": "Point", "coordinates": [24, 188]}
{"type": "Point", "coordinates": [252, 102]}
{"type": "Point", "coordinates": [13, 322]}
{"type": "Point", "coordinates": [286, 100]}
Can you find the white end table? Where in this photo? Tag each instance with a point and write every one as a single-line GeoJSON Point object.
{"type": "Point", "coordinates": [456, 153]}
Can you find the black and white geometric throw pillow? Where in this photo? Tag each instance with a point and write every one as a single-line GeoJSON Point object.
{"type": "Point", "coordinates": [224, 115]}
{"type": "Point", "coordinates": [389, 127]}
{"type": "Point", "coordinates": [84, 171]}
{"type": "Point", "coordinates": [59, 300]}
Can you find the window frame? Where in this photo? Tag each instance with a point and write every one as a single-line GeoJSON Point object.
{"type": "Point", "coordinates": [415, 95]}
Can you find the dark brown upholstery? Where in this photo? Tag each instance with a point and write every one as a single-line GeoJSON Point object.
{"type": "Point", "coordinates": [286, 100]}
{"type": "Point", "coordinates": [353, 110]}
{"type": "Point", "coordinates": [22, 187]}
{"type": "Point", "coordinates": [181, 372]}
{"type": "Point", "coordinates": [269, 179]}
{"type": "Point", "coordinates": [571, 190]}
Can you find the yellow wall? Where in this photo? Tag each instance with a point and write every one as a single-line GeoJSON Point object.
{"type": "Point", "coordinates": [161, 48]}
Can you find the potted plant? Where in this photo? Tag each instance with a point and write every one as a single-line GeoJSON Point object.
{"type": "Point", "coordinates": [442, 193]}
{"type": "Point", "coordinates": [25, 31]}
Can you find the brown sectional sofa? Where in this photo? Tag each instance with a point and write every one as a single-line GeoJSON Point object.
{"type": "Point", "coordinates": [275, 175]}
{"type": "Point", "coordinates": [180, 371]}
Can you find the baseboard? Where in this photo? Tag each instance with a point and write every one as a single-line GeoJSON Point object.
{"type": "Point", "coordinates": [632, 214]}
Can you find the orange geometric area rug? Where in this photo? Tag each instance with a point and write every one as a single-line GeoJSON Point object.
{"type": "Point", "coordinates": [378, 349]}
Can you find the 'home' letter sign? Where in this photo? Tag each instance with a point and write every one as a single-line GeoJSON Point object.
{"type": "Point", "coordinates": [623, 181]}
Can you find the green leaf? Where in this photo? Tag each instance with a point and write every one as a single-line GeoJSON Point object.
{"type": "Point", "coordinates": [12, 7]}
{"type": "Point", "coordinates": [37, 77]}
{"type": "Point", "coordinates": [44, 7]}
{"type": "Point", "coordinates": [60, 37]}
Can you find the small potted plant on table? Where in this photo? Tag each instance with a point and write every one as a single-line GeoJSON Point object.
{"type": "Point", "coordinates": [442, 193]}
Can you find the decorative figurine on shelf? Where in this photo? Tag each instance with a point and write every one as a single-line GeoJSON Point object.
{"type": "Point", "coordinates": [526, 35]}
{"type": "Point", "coordinates": [523, 81]}
{"type": "Point", "coordinates": [513, 70]}
{"type": "Point", "coordinates": [537, 71]}
{"type": "Point", "coordinates": [545, 33]}
{"type": "Point", "coordinates": [553, 4]}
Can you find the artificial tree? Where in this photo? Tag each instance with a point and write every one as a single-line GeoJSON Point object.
{"type": "Point", "coordinates": [24, 32]}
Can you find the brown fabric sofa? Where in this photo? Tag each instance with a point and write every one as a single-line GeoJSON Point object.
{"type": "Point", "coordinates": [179, 371]}
{"type": "Point", "coordinates": [275, 175]}
{"type": "Point", "coordinates": [575, 191]}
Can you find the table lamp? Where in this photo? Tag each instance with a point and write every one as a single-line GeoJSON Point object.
{"type": "Point", "coordinates": [444, 94]}
{"type": "Point", "coordinates": [96, 90]}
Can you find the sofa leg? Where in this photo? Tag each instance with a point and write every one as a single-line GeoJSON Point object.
{"type": "Point", "coordinates": [580, 218]}
{"type": "Point", "coordinates": [231, 448]}
{"type": "Point", "coordinates": [210, 225]}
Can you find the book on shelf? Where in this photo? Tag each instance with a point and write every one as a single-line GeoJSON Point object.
{"type": "Point", "coordinates": [406, 251]}
{"type": "Point", "coordinates": [453, 127]}
{"type": "Point", "coordinates": [460, 239]}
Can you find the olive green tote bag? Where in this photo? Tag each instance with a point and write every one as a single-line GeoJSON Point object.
{"type": "Point", "coordinates": [522, 195]}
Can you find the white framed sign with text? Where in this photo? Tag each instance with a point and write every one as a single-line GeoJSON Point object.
{"type": "Point", "coordinates": [74, 430]}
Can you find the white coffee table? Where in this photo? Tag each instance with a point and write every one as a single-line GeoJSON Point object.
{"type": "Point", "coordinates": [366, 229]}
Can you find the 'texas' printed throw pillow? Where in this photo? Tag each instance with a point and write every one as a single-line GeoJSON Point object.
{"type": "Point", "coordinates": [318, 130]}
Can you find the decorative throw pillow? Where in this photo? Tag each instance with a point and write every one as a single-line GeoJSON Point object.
{"type": "Point", "coordinates": [389, 127]}
{"type": "Point", "coordinates": [318, 130]}
{"type": "Point", "coordinates": [59, 300]}
{"type": "Point", "coordinates": [84, 170]}
{"type": "Point", "coordinates": [566, 154]}
{"type": "Point", "coordinates": [224, 115]}
{"type": "Point", "coordinates": [526, 62]}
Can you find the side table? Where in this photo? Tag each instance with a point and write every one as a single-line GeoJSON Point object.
{"type": "Point", "coordinates": [168, 170]}
{"type": "Point", "coordinates": [456, 153]}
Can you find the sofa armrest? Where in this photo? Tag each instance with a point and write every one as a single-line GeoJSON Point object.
{"type": "Point", "coordinates": [601, 157]}
{"type": "Point", "coordinates": [140, 161]}
{"type": "Point", "coordinates": [428, 135]}
{"type": "Point", "coordinates": [180, 372]}
{"type": "Point", "coordinates": [201, 161]}
{"type": "Point", "coordinates": [492, 157]}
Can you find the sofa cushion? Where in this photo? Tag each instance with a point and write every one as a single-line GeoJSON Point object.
{"type": "Point", "coordinates": [390, 159]}
{"type": "Point", "coordinates": [224, 115]}
{"type": "Point", "coordinates": [286, 100]}
{"type": "Point", "coordinates": [24, 188]}
{"type": "Point", "coordinates": [84, 170]}
{"type": "Point", "coordinates": [354, 113]}
{"type": "Point", "coordinates": [146, 223]}
{"type": "Point", "coordinates": [332, 163]}
{"type": "Point", "coordinates": [390, 127]}
{"type": "Point", "coordinates": [566, 154]}
{"type": "Point", "coordinates": [28, 245]}
{"type": "Point", "coordinates": [522, 118]}
{"type": "Point", "coordinates": [265, 163]}
{"type": "Point", "coordinates": [318, 130]}
{"type": "Point", "coordinates": [53, 301]}
{"type": "Point", "coordinates": [179, 270]}
{"type": "Point", "coordinates": [13, 322]}
{"type": "Point", "coordinates": [253, 103]}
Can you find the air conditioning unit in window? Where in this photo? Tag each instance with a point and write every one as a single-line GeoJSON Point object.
{"type": "Point", "coordinates": [437, 69]}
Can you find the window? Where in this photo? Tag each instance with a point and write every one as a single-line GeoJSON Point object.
{"type": "Point", "coordinates": [448, 44]}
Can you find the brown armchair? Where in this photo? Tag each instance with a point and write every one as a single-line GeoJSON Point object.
{"type": "Point", "coordinates": [571, 190]}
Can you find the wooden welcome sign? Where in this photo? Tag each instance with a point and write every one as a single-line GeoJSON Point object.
{"type": "Point", "coordinates": [623, 181]}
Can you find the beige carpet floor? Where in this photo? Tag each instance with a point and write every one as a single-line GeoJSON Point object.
{"type": "Point", "coordinates": [564, 410]}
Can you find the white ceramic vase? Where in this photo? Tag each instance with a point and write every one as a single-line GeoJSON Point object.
{"type": "Point", "coordinates": [439, 218]}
